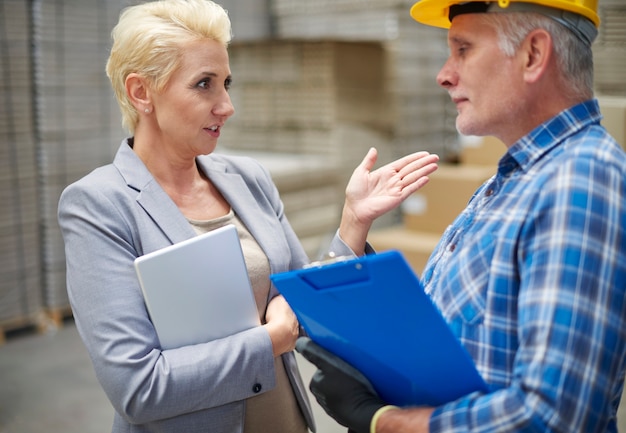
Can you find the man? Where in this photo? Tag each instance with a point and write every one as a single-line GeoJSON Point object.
{"type": "Point", "coordinates": [531, 277]}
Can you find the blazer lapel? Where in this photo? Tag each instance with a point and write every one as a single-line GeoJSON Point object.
{"type": "Point", "coordinates": [151, 197]}
{"type": "Point", "coordinates": [164, 212]}
{"type": "Point", "coordinates": [238, 194]}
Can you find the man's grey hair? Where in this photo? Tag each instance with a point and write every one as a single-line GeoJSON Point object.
{"type": "Point", "coordinates": [574, 57]}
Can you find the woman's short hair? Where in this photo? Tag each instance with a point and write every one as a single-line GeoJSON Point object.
{"type": "Point", "coordinates": [147, 41]}
{"type": "Point", "coordinates": [574, 57]}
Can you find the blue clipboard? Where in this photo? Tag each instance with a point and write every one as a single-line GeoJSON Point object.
{"type": "Point", "coordinates": [372, 312]}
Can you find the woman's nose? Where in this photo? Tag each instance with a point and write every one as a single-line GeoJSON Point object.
{"type": "Point", "coordinates": [225, 107]}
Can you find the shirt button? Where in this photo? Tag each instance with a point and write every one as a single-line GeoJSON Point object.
{"type": "Point", "coordinates": [452, 248]}
{"type": "Point", "coordinates": [257, 388]}
{"type": "Point", "coordinates": [489, 192]}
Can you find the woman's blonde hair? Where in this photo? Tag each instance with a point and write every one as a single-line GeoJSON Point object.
{"type": "Point", "coordinates": [147, 40]}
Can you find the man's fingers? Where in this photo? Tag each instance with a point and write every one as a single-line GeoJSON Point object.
{"type": "Point", "coordinates": [326, 361]}
{"type": "Point", "coordinates": [314, 353]}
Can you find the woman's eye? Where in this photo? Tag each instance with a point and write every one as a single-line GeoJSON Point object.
{"type": "Point", "coordinates": [227, 83]}
{"type": "Point", "coordinates": [204, 84]}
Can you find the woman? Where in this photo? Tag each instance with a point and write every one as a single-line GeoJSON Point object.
{"type": "Point", "coordinates": [170, 71]}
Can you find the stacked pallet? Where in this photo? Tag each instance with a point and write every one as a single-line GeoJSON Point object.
{"type": "Point", "coordinates": [315, 107]}
{"type": "Point", "coordinates": [610, 61]}
{"type": "Point", "coordinates": [20, 263]}
{"type": "Point", "coordinates": [77, 117]}
{"type": "Point", "coordinates": [306, 98]}
{"type": "Point", "coordinates": [610, 49]}
{"type": "Point", "coordinates": [415, 109]}
{"type": "Point", "coordinates": [342, 20]}
{"type": "Point", "coordinates": [424, 115]}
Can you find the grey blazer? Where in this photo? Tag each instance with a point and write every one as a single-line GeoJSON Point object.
{"type": "Point", "coordinates": [119, 212]}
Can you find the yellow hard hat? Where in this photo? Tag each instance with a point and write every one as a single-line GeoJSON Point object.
{"type": "Point", "coordinates": [437, 12]}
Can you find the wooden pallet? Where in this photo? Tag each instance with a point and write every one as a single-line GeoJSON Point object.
{"type": "Point", "coordinates": [57, 316]}
{"type": "Point", "coordinates": [29, 323]}
{"type": "Point", "coordinates": [40, 323]}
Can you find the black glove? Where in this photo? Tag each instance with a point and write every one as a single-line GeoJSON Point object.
{"type": "Point", "coordinates": [342, 391]}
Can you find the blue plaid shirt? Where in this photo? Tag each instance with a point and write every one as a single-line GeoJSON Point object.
{"type": "Point", "coordinates": [531, 278]}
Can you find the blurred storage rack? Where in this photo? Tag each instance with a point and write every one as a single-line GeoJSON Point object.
{"type": "Point", "coordinates": [21, 301]}
{"type": "Point", "coordinates": [77, 124]}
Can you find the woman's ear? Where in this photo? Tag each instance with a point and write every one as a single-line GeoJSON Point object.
{"type": "Point", "coordinates": [138, 93]}
{"type": "Point", "coordinates": [537, 50]}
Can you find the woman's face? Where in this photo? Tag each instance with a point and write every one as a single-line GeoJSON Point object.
{"type": "Point", "coordinates": [194, 105]}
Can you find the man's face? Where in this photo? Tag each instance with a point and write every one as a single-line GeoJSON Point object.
{"type": "Point", "coordinates": [482, 81]}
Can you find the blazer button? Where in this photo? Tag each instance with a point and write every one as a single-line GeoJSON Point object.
{"type": "Point", "coordinates": [257, 388]}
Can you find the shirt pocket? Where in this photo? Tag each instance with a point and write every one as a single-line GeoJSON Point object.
{"type": "Point", "coordinates": [463, 305]}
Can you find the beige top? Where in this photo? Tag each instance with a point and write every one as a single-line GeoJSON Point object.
{"type": "Point", "coordinates": [275, 411]}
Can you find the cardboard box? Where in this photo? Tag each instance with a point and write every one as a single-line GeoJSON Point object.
{"type": "Point", "coordinates": [436, 205]}
{"type": "Point", "coordinates": [485, 151]}
{"type": "Point", "coordinates": [614, 111]}
{"type": "Point", "coordinates": [415, 246]}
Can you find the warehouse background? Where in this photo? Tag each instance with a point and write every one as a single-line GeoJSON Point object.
{"type": "Point", "coordinates": [316, 83]}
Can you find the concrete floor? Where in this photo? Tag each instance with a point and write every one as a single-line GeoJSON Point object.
{"type": "Point", "coordinates": [48, 385]}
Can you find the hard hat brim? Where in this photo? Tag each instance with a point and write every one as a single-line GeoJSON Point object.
{"type": "Point", "coordinates": [436, 12]}
{"type": "Point", "coordinates": [432, 13]}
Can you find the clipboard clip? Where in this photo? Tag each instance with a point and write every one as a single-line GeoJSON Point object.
{"type": "Point", "coordinates": [328, 259]}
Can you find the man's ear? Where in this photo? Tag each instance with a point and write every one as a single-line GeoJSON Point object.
{"type": "Point", "coordinates": [537, 51]}
{"type": "Point", "coordinates": [138, 92]}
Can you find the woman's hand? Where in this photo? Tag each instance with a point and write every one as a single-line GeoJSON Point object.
{"type": "Point", "coordinates": [282, 325]}
{"type": "Point", "coordinates": [370, 194]}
